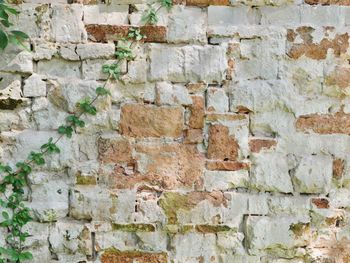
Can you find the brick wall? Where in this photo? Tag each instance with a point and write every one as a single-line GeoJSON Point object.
{"type": "Point", "coordinates": [227, 139]}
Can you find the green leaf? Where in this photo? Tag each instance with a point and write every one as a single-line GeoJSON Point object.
{"type": "Point", "coordinates": [86, 106]}
{"type": "Point", "coordinates": [9, 9]}
{"type": "Point", "coordinates": [19, 34]}
{"type": "Point", "coordinates": [166, 3]}
{"type": "Point", "coordinates": [3, 40]}
{"type": "Point", "coordinates": [5, 215]}
{"type": "Point", "coordinates": [101, 91]}
{"type": "Point", "coordinates": [24, 167]}
{"type": "Point", "coordinates": [37, 158]}
{"type": "Point", "coordinates": [25, 256]}
{"type": "Point", "coordinates": [150, 16]}
{"type": "Point", "coordinates": [50, 147]}
{"type": "Point", "coordinates": [124, 53]}
{"type": "Point", "coordinates": [66, 130]}
{"type": "Point", "coordinates": [113, 70]}
{"type": "Point", "coordinates": [75, 121]}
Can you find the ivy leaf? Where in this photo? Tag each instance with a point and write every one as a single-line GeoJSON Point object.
{"type": "Point", "coordinates": [166, 3]}
{"type": "Point", "coordinates": [135, 33]}
{"type": "Point", "coordinates": [37, 158]}
{"type": "Point", "coordinates": [85, 106]}
{"type": "Point", "coordinates": [150, 17]}
{"type": "Point", "coordinates": [113, 70]}
{"type": "Point", "coordinates": [101, 91]}
{"type": "Point", "coordinates": [50, 147]}
{"type": "Point", "coordinates": [24, 167]}
{"type": "Point", "coordinates": [66, 130]}
{"type": "Point", "coordinates": [3, 40]}
{"type": "Point", "coordinates": [25, 256]}
{"type": "Point", "coordinates": [124, 53]}
{"type": "Point", "coordinates": [5, 168]}
{"type": "Point", "coordinates": [19, 34]}
{"type": "Point", "coordinates": [75, 121]}
{"type": "Point", "coordinates": [5, 215]}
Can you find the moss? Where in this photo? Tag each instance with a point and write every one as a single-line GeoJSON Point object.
{"type": "Point", "coordinates": [171, 203]}
{"type": "Point", "coordinates": [299, 229]}
{"type": "Point", "coordinates": [41, 9]}
{"type": "Point", "coordinates": [212, 228]}
{"type": "Point", "coordinates": [134, 227]}
{"type": "Point", "coordinates": [9, 104]}
{"type": "Point", "coordinates": [114, 255]}
{"type": "Point", "coordinates": [86, 180]}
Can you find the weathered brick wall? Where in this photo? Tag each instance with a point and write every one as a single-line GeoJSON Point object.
{"type": "Point", "coordinates": [227, 140]}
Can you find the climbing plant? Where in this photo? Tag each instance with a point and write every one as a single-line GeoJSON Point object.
{"type": "Point", "coordinates": [6, 35]}
{"type": "Point", "coordinates": [15, 215]}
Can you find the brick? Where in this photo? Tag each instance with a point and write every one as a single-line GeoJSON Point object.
{"type": "Point", "coordinates": [72, 15]}
{"type": "Point", "coordinates": [222, 145]}
{"type": "Point", "coordinates": [227, 165]}
{"type": "Point", "coordinates": [313, 174]}
{"type": "Point", "coordinates": [217, 100]}
{"type": "Point", "coordinates": [197, 109]}
{"type": "Point", "coordinates": [168, 166]}
{"type": "Point", "coordinates": [117, 256]}
{"type": "Point", "coordinates": [256, 145]}
{"type": "Point", "coordinates": [139, 120]}
{"type": "Point", "coordinates": [339, 44]}
{"type": "Point", "coordinates": [104, 33]}
{"type": "Point", "coordinates": [324, 123]}
{"type": "Point", "coordinates": [320, 202]}
{"type": "Point", "coordinates": [193, 63]}
{"type": "Point", "coordinates": [193, 136]}
{"type": "Point", "coordinates": [187, 25]}
{"type": "Point", "coordinates": [204, 3]}
{"type": "Point", "coordinates": [115, 150]}
{"type": "Point", "coordinates": [106, 14]}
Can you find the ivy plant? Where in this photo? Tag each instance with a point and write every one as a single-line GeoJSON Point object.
{"type": "Point", "coordinates": [14, 214]}
{"type": "Point", "coordinates": [6, 35]}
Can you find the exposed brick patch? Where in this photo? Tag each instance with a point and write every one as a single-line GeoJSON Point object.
{"type": "Point", "coordinates": [227, 165]}
{"type": "Point", "coordinates": [193, 136]}
{"type": "Point", "coordinates": [338, 168]}
{"type": "Point", "coordinates": [339, 44]}
{"type": "Point", "coordinates": [339, 77]}
{"type": "Point", "coordinates": [197, 109]}
{"type": "Point", "coordinates": [117, 256]}
{"type": "Point", "coordinates": [256, 145]}
{"type": "Point", "coordinates": [207, 2]}
{"type": "Point", "coordinates": [114, 150]}
{"type": "Point", "coordinates": [320, 202]}
{"type": "Point", "coordinates": [104, 33]}
{"type": "Point", "coordinates": [138, 120]}
{"type": "Point", "coordinates": [222, 146]}
{"type": "Point", "coordinates": [325, 123]}
{"type": "Point", "coordinates": [328, 2]}
{"type": "Point", "coordinates": [196, 87]}
{"type": "Point", "coordinates": [167, 166]}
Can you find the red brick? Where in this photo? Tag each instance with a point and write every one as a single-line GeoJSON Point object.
{"type": "Point", "coordinates": [320, 202]}
{"type": "Point", "coordinates": [325, 123]}
{"type": "Point", "coordinates": [317, 51]}
{"type": "Point", "coordinates": [169, 166]}
{"type": "Point", "coordinates": [138, 120]}
{"type": "Point", "coordinates": [256, 145]}
{"type": "Point", "coordinates": [104, 33]}
{"type": "Point", "coordinates": [193, 136]}
{"type": "Point", "coordinates": [227, 165]}
{"type": "Point", "coordinates": [197, 109]}
{"type": "Point", "coordinates": [222, 146]}
{"type": "Point", "coordinates": [115, 150]}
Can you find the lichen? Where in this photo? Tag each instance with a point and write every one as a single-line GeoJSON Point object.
{"type": "Point", "coordinates": [134, 227]}
{"type": "Point", "coordinates": [171, 203]}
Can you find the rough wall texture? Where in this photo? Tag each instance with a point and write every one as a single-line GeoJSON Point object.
{"type": "Point", "coordinates": [227, 140]}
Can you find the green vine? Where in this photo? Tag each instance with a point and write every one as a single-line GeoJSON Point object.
{"type": "Point", "coordinates": [14, 180]}
{"type": "Point", "coordinates": [150, 15]}
{"type": "Point", "coordinates": [6, 35]}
